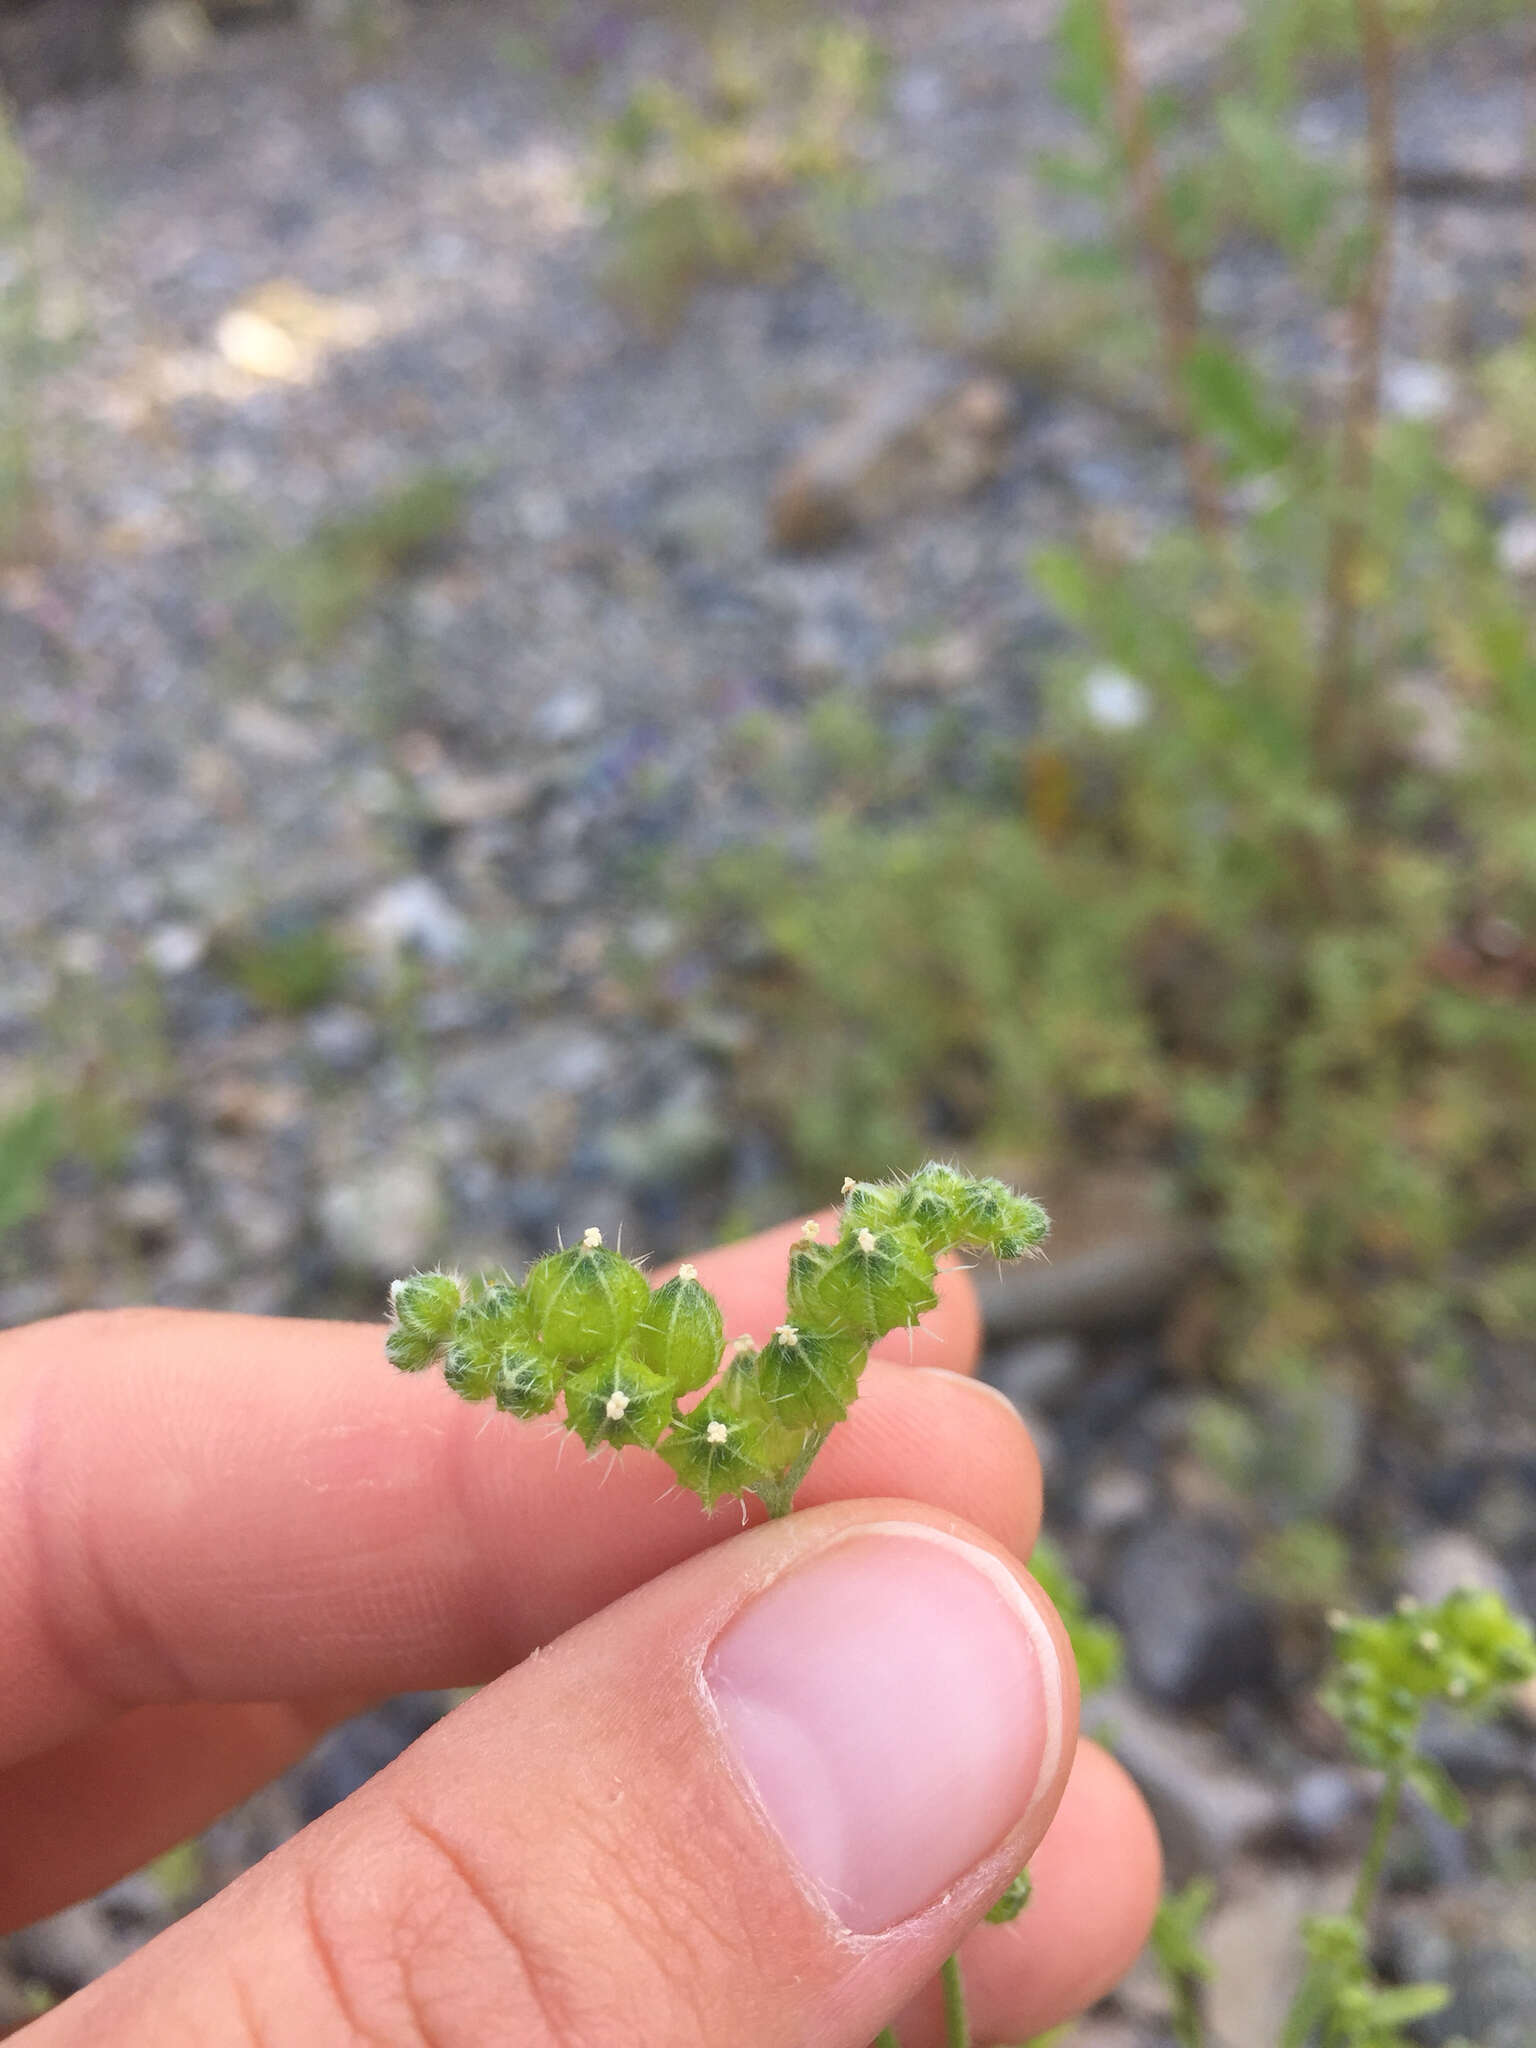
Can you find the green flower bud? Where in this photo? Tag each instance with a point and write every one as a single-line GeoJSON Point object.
{"type": "Point", "coordinates": [997, 1220]}
{"type": "Point", "coordinates": [876, 1203]}
{"type": "Point", "coordinates": [869, 1282]}
{"type": "Point", "coordinates": [526, 1383]}
{"type": "Point", "coordinates": [712, 1448]}
{"type": "Point", "coordinates": [932, 1202]}
{"type": "Point", "coordinates": [421, 1310]}
{"type": "Point", "coordinates": [681, 1333]}
{"type": "Point", "coordinates": [483, 1331]}
{"type": "Point", "coordinates": [586, 1300]}
{"type": "Point", "coordinates": [1013, 1901]}
{"type": "Point", "coordinates": [808, 1377]}
{"type": "Point", "coordinates": [618, 1402]}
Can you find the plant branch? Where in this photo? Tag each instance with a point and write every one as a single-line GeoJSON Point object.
{"type": "Point", "coordinates": [1173, 282]}
{"type": "Point", "coordinates": [957, 2025]}
{"type": "Point", "coordinates": [1362, 397]}
{"type": "Point", "coordinates": [1364, 1896]}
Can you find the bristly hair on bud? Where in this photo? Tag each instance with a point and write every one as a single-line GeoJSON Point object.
{"type": "Point", "coordinates": [586, 1329]}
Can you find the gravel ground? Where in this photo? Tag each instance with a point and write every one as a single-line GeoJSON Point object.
{"type": "Point", "coordinates": [274, 288]}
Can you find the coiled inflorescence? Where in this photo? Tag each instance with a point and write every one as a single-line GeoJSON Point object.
{"type": "Point", "coordinates": [586, 1328]}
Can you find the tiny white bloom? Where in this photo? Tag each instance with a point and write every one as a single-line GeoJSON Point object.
{"type": "Point", "coordinates": [717, 1433]}
{"type": "Point", "coordinates": [787, 1334]}
{"type": "Point", "coordinates": [849, 1183]}
{"type": "Point", "coordinates": [1114, 700]}
{"type": "Point", "coordinates": [810, 1228]}
{"type": "Point", "coordinates": [617, 1403]}
{"type": "Point", "coordinates": [866, 1240]}
{"type": "Point", "coordinates": [740, 1344]}
{"type": "Point", "coordinates": [687, 1272]}
{"type": "Point", "coordinates": [592, 1238]}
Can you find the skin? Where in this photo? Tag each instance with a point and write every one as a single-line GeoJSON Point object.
{"type": "Point", "coordinates": [220, 1535]}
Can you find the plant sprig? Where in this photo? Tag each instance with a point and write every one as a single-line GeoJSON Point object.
{"type": "Point", "coordinates": [585, 1332]}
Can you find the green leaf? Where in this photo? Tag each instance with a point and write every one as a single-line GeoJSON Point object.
{"type": "Point", "coordinates": [30, 1142]}
{"type": "Point", "coordinates": [1232, 407]}
{"type": "Point", "coordinates": [1085, 70]}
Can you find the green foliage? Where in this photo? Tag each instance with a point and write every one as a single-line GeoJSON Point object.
{"type": "Point", "coordinates": [284, 972]}
{"type": "Point", "coordinates": [1465, 1654]}
{"type": "Point", "coordinates": [1180, 1958]}
{"type": "Point", "coordinates": [1096, 1647]}
{"type": "Point", "coordinates": [1342, 2003]}
{"type": "Point", "coordinates": [324, 584]}
{"type": "Point", "coordinates": [31, 1142]}
{"type": "Point", "coordinates": [586, 1326]}
{"type": "Point", "coordinates": [732, 177]}
{"type": "Point", "coordinates": [1223, 910]}
{"type": "Point", "coordinates": [20, 343]}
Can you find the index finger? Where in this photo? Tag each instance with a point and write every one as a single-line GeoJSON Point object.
{"type": "Point", "coordinates": [220, 1507]}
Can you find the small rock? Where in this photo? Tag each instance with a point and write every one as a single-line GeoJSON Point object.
{"type": "Point", "coordinates": [1450, 1561]}
{"type": "Point", "coordinates": [1517, 545]}
{"type": "Point", "coordinates": [1481, 1940]}
{"type": "Point", "coordinates": [341, 1037]}
{"type": "Point", "coordinates": [151, 1210]}
{"type": "Point", "coordinates": [414, 916]}
{"type": "Point", "coordinates": [683, 1140]}
{"type": "Point", "coordinates": [1039, 1372]}
{"type": "Point", "coordinates": [383, 1220]}
{"type": "Point", "coordinates": [1324, 1805]}
{"type": "Point", "coordinates": [169, 38]}
{"type": "Point", "coordinates": [566, 716]}
{"type": "Point", "coordinates": [1208, 1808]}
{"type": "Point", "coordinates": [1193, 1635]}
{"type": "Point", "coordinates": [173, 949]}
{"type": "Point", "coordinates": [917, 434]}
{"type": "Point", "coordinates": [1254, 1942]}
{"type": "Point", "coordinates": [1117, 1254]}
{"type": "Point", "coordinates": [1115, 1499]}
{"type": "Point", "coordinates": [1114, 700]}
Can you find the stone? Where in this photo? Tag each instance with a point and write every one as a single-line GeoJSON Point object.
{"type": "Point", "coordinates": [1193, 1636]}
{"type": "Point", "coordinates": [1325, 1806]}
{"type": "Point", "coordinates": [916, 434]}
{"type": "Point", "coordinates": [414, 916]}
{"type": "Point", "coordinates": [383, 1218]}
{"type": "Point", "coordinates": [169, 38]}
{"type": "Point", "coordinates": [1253, 1939]}
{"type": "Point", "coordinates": [1039, 1372]}
{"type": "Point", "coordinates": [685, 1137]}
{"type": "Point", "coordinates": [1449, 1561]}
{"type": "Point", "coordinates": [1117, 1255]}
{"type": "Point", "coordinates": [151, 1211]}
{"type": "Point", "coordinates": [1481, 1940]}
{"type": "Point", "coordinates": [341, 1037]}
{"type": "Point", "coordinates": [1209, 1809]}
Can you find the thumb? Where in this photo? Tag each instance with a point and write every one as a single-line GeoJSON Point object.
{"type": "Point", "coordinates": [756, 1801]}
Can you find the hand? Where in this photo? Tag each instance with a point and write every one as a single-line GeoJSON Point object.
{"type": "Point", "coordinates": [742, 1787]}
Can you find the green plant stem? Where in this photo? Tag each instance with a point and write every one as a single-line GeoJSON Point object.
{"type": "Point", "coordinates": [1362, 398]}
{"type": "Point", "coordinates": [1188, 2020]}
{"type": "Point", "coordinates": [957, 2025]}
{"type": "Point", "coordinates": [886, 2038]}
{"type": "Point", "coordinates": [778, 1495]}
{"type": "Point", "coordinates": [1376, 1853]}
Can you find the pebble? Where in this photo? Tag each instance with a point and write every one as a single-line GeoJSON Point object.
{"type": "Point", "coordinates": [383, 1219]}
{"type": "Point", "coordinates": [1208, 1808]}
{"type": "Point", "coordinates": [1040, 1372]}
{"type": "Point", "coordinates": [414, 916]}
{"type": "Point", "coordinates": [1193, 1636]}
{"type": "Point", "coordinates": [1450, 1561]}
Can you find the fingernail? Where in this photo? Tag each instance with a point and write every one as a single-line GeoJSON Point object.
{"type": "Point", "coordinates": [895, 1702]}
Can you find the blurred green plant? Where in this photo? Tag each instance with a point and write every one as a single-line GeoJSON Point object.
{"type": "Point", "coordinates": [20, 343]}
{"type": "Point", "coordinates": [735, 175]}
{"type": "Point", "coordinates": [284, 972]}
{"type": "Point", "coordinates": [1259, 899]}
{"type": "Point", "coordinates": [325, 583]}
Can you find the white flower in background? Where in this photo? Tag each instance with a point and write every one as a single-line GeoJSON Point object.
{"type": "Point", "coordinates": [1113, 700]}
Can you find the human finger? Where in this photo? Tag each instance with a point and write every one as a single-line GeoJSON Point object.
{"type": "Point", "coordinates": [233, 1508]}
{"type": "Point", "coordinates": [759, 1799]}
{"type": "Point", "coordinates": [1097, 1876]}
